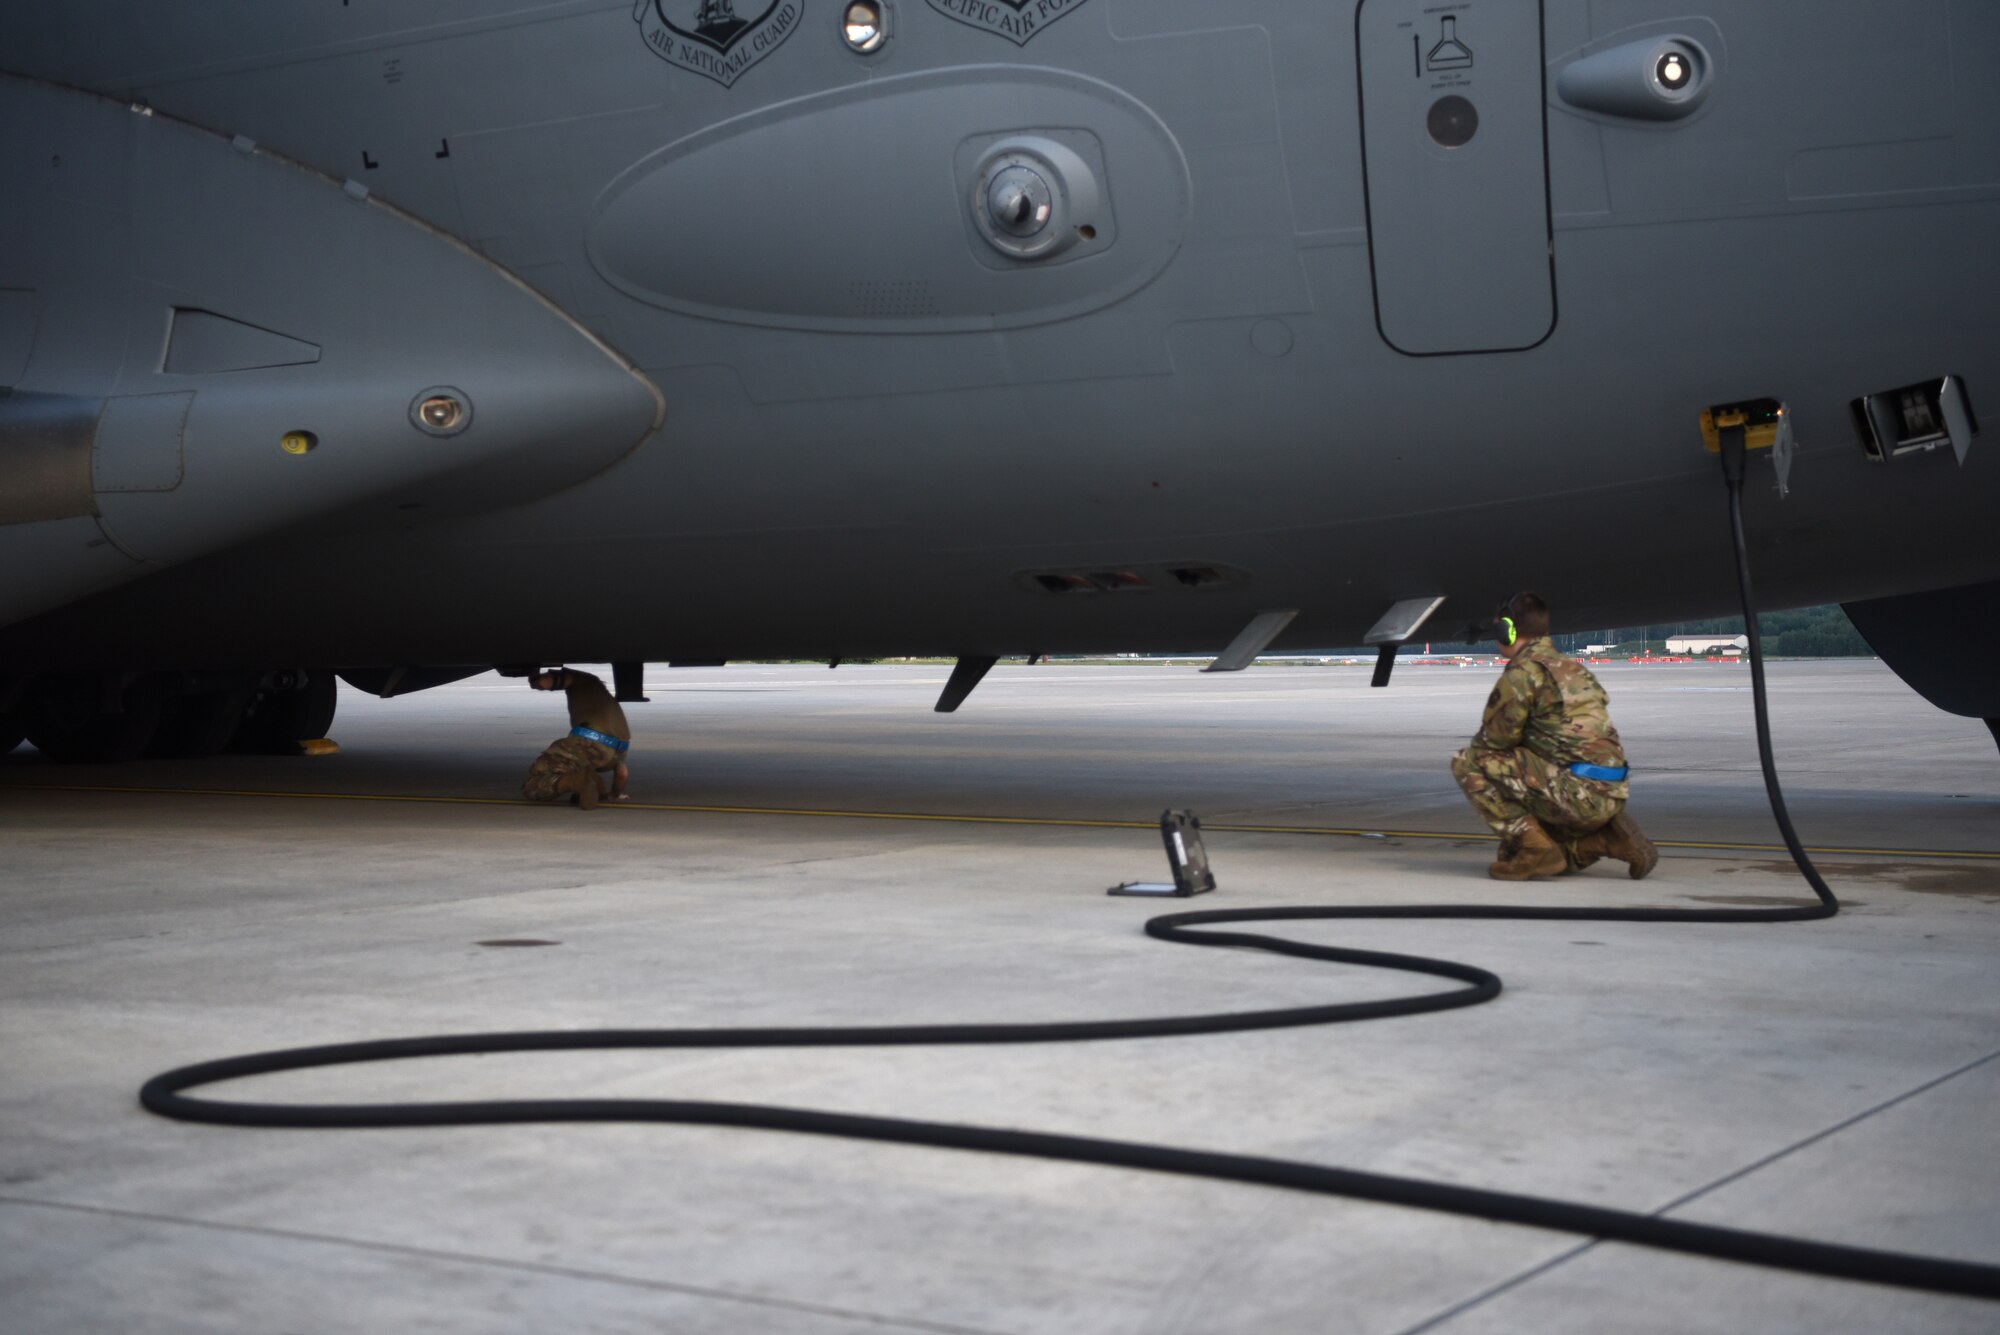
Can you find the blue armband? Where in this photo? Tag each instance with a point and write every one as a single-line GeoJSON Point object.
{"type": "Point", "coordinates": [1601, 773]}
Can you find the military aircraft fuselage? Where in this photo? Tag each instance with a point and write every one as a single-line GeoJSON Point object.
{"type": "Point", "coordinates": [1037, 327]}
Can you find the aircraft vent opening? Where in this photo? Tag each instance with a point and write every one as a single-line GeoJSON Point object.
{"type": "Point", "coordinates": [1089, 580]}
{"type": "Point", "coordinates": [1200, 577]}
{"type": "Point", "coordinates": [865, 26]}
{"type": "Point", "coordinates": [1096, 581]}
{"type": "Point", "coordinates": [894, 299]}
{"type": "Point", "coordinates": [1916, 419]}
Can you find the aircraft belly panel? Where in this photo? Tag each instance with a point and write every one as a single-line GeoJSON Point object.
{"type": "Point", "coordinates": [72, 556]}
{"type": "Point", "coordinates": [1452, 128]}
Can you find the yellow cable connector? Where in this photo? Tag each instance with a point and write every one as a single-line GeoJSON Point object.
{"type": "Point", "coordinates": [1761, 419]}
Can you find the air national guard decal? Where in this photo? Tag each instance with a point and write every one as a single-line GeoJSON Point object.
{"type": "Point", "coordinates": [1018, 19]}
{"type": "Point", "coordinates": [710, 37]}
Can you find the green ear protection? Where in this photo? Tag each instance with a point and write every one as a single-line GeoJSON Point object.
{"type": "Point", "coordinates": [1508, 634]}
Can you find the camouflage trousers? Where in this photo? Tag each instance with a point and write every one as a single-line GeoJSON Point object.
{"type": "Point", "coordinates": [1507, 787]}
{"type": "Point", "coordinates": [568, 764]}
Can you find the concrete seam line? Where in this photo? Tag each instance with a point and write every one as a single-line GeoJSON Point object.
{"type": "Point", "coordinates": [1571, 1253]}
{"type": "Point", "coordinates": [494, 1263]}
{"type": "Point", "coordinates": [1316, 831]}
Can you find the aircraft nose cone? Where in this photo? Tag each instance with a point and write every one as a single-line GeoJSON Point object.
{"type": "Point", "coordinates": [321, 357]}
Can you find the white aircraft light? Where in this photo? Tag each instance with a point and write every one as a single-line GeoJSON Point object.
{"type": "Point", "coordinates": [441, 411]}
{"type": "Point", "coordinates": [865, 26]}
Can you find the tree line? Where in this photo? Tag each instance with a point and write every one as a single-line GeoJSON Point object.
{"type": "Point", "coordinates": [1808, 632]}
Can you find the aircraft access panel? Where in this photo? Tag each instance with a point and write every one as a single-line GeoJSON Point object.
{"type": "Point", "coordinates": [1457, 170]}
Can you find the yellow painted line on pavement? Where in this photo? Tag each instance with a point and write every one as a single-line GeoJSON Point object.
{"type": "Point", "coordinates": [948, 819]}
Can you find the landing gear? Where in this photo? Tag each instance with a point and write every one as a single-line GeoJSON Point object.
{"type": "Point", "coordinates": [105, 718]}
{"type": "Point", "coordinates": [291, 706]}
{"type": "Point", "coordinates": [89, 719]}
{"type": "Point", "coordinates": [195, 724]}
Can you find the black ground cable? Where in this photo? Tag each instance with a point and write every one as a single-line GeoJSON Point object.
{"type": "Point", "coordinates": [1734, 451]}
{"type": "Point", "coordinates": [163, 1093]}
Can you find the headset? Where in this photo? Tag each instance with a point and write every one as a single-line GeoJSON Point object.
{"type": "Point", "coordinates": [1508, 630]}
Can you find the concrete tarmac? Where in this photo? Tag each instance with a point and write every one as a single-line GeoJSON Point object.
{"type": "Point", "coordinates": [814, 847]}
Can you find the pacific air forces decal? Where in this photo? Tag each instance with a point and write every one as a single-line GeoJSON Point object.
{"type": "Point", "coordinates": [710, 36]}
{"type": "Point", "coordinates": [1018, 19]}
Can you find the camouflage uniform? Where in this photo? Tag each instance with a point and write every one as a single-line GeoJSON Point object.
{"type": "Point", "coordinates": [568, 764]}
{"type": "Point", "coordinates": [1546, 713]}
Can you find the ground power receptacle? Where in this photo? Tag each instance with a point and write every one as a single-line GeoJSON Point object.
{"type": "Point", "coordinates": [1763, 422]}
{"type": "Point", "coordinates": [1765, 425]}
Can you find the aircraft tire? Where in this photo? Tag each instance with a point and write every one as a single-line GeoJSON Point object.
{"type": "Point", "coordinates": [277, 720]}
{"type": "Point", "coordinates": [68, 727]}
{"type": "Point", "coordinates": [197, 725]}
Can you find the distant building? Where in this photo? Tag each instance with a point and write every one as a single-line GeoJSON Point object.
{"type": "Point", "coordinates": [1592, 650]}
{"type": "Point", "coordinates": [1708, 644]}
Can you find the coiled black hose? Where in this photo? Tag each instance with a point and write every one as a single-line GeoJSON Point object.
{"type": "Point", "coordinates": [163, 1094]}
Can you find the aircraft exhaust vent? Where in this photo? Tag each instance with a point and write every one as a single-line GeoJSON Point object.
{"type": "Point", "coordinates": [1089, 580]}
{"type": "Point", "coordinates": [893, 299]}
{"type": "Point", "coordinates": [1097, 581]}
{"type": "Point", "coordinates": [1204, 577]}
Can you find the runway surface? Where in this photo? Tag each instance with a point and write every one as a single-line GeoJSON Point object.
{"type": "Point", "coordinates": [814, 847]}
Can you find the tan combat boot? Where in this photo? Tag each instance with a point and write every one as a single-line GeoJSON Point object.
{"type": "Point", "coordinates": [1533, 854]}
{"type": "Point", "coordinates": [1620, 838]}
{"type": "Point", "coordinates": [581, 785]}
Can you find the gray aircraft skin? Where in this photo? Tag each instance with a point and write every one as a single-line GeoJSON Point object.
{"type": "Point", "coordinates": [401, 339]}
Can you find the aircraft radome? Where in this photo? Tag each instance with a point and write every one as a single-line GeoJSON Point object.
{"type": "Point", "coordinates": [400, 340]}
